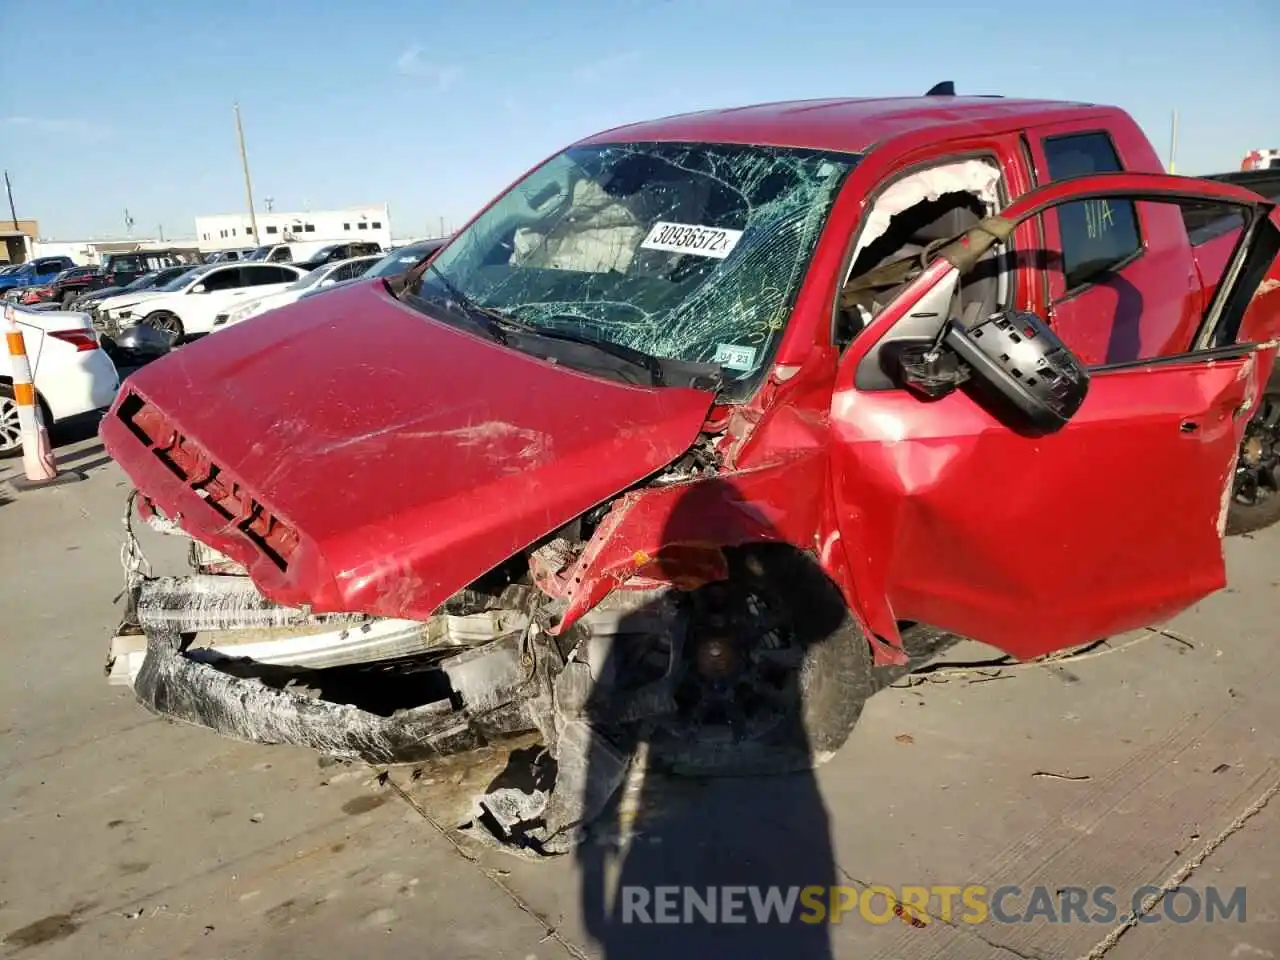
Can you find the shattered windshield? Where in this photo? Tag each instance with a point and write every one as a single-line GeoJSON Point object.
{"type": "Point", "coordinates": [685, 251]}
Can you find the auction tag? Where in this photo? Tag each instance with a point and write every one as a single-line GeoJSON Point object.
{"type": "Point", "coordinates": [689, 238]}
{"type": "Point", "coordinates": [734, 356]}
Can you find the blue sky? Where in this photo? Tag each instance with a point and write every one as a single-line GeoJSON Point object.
{"type": "Point", "coordinates": [433, 107]}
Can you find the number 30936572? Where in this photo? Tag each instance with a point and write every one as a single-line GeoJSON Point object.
{"type": "Point", "coordinates": [689, 238]}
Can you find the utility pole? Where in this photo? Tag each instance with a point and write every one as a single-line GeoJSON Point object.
{"type": "Point", "coordinates": [1173, 144]}
{"type": "Point", "coordinates": [160, 227]}
{"type": "Point", "coordinates": [8, 188]}
{"type": "Point", "coordinates": [248, 184]}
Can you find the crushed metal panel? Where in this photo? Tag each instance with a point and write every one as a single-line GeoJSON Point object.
{"type": "Point", "coordinates": [179, 688]}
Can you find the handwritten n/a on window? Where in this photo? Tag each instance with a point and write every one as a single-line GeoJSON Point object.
{"type": "Point", "coordinates": [1098, 218]}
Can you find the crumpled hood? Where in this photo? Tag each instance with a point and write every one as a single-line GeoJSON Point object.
{"type": "Point", "coordinates": [359, 456]}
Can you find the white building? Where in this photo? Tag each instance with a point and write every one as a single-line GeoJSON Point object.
{"type": "Point", "coordinates": [231, 231]}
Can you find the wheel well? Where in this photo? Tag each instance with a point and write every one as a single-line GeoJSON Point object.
{"type": "Point", "coordinates": [800, 569]}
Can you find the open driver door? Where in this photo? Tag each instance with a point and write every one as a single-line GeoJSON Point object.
{"type": "Point", "coordinates": [1033, 541]}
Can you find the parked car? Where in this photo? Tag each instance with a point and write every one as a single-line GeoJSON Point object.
{"type": "Point", "coordinates": [72, 283]}
{"type": "Point", "coordinates": [148, 281]}
{"type": "Point", "coordinates": [188, 304]}
{"type": "Point", "coordinates": [675, 436]}
{"type": "Point", "coordinates": [318, 279]}
{"type": "Point", "coordinates": [71, 372]}
{"type": "Point", "coordinates": [399, 260]}
{"type": "Point", "coordinates": [35, 272]}
{"type": "Point", "coordinates": [334, 252]}
{"type": "Point", "coordinates": [65, 286]}
{"type": "Point", "coordinates": [29, 296]}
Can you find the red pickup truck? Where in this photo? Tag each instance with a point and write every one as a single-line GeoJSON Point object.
{"type": "Point", "coordinates": [681, 430]}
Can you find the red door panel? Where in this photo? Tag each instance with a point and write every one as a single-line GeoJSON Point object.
{"type": "Point", "coordinates": [1033, 544]}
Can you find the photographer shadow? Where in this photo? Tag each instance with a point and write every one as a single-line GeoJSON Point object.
{"type": "Point", "coordinates": [696, 866]}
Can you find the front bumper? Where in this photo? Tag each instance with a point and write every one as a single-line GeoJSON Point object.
{"type": "Point", "coordinates": [177, 686]}
{"type": "Point", "coordinates": [111, 326]}
{"type": "Point", "coordinates": [248, 691]}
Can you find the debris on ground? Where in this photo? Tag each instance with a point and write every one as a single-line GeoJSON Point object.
{"type": "Point", "coordinates": [1049, 775]}
{"type": "Point", "coordinates": [543, 806]}
{"type": "Point", "coordinates": [997, 668]}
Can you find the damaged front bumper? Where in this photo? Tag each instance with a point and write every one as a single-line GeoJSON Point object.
{"type": "Point", "coordinates": [181, 685]}
{"type": "Point", "coordinates": [211, 650]}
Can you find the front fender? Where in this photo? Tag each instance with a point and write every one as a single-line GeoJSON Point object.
{"type": "Point", "coordinates": [677, 535]}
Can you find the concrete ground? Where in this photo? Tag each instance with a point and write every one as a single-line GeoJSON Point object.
{"type": "Point", "coordinates": [1151, 760]}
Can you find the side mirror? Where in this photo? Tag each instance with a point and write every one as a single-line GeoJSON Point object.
{"type": "Point", "coordinates": [199, 288]}
{"type": "Point", "coordinates": [1020, 364]}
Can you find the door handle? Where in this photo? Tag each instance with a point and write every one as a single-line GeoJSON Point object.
{"type": "Point", "coordinates": [1189, 426]}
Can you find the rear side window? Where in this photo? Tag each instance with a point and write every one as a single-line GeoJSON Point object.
{"type": "Point", "coordinates": [1097, 235]}
{"type": "Point", "coordinates": [259, 276]}
{"type": "Point", "coordinates": [222, 280]}
{"type": "Point", "coordinates": [126, 264]}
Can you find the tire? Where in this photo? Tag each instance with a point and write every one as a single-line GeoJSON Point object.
{"type": "Point", "coordinates": [168, 323]}
{"type": "Point", "coordinates": [832, 683]}
{"type": "Point", "coordinates": [1255, 494]}
{"type": "Point", "coordinates": [10, 435]}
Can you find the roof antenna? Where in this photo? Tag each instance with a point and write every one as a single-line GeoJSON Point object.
{"type": "Point", "coordinates": [947, 88]}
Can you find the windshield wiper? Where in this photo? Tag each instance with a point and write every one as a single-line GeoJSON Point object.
{"type": "Point", "coordinates": [485, 319]}
{"type": "Point", "coordinates": [462, 300]}
{"type": "Point", "coordinates": [637, 358]}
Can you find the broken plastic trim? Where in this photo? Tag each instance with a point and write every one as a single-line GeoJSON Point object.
{"type": "Point", "coordinates": [486, 701]}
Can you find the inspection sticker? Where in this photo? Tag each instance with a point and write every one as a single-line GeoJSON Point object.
{"type": "Point", "coordinates": [735, 356]}
{"type": "Point", "coordinates": [689, 238]}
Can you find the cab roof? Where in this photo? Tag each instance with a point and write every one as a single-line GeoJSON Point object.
{"type": "Point", "coordinates": [851, 125]}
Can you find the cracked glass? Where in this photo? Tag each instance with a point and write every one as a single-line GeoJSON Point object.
{"type": "Point", "coordinates": [685, 251]}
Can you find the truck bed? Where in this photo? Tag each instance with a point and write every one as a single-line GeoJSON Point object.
{"type": "Point", "coordinates": [1206, 222]}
